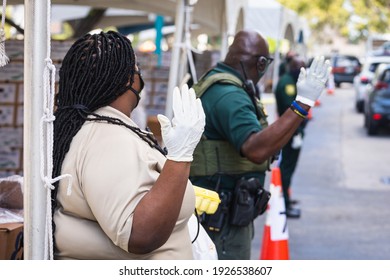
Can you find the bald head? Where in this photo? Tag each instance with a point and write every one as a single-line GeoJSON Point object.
{"type": "Point", "coordinates": [246, 43]}
{"type": "Point", "coordinates": [244, 52]}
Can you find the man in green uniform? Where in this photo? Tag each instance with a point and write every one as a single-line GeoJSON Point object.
{"type": "Point", "coordinates": [285, 94]}
{"type": "Point", "coordinates": [238, 145]}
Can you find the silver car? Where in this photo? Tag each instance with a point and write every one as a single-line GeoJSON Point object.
{"type": "Point", "coordinates": [363, 79]}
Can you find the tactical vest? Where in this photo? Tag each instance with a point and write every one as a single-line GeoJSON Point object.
{"type": "Point", "coordinates": [212, 156]}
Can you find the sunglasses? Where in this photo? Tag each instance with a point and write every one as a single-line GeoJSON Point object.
{"type": "Point", "coordinates": [263, 62]}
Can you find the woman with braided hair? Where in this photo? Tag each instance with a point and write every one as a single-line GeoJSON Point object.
{"type": "Point", "coordinates": [129, 199]}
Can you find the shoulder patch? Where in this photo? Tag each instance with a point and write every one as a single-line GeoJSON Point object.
{"type": "Point", "coordinates": [290, 89]}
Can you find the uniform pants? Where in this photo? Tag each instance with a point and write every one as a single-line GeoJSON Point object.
{"type": "Point", "coordinates": [287, 167]}
{"type": "Point", "coordinates": [232, 242]}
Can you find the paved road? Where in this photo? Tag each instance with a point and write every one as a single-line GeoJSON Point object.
{"type": "Point", "coordinates": [343, 185]}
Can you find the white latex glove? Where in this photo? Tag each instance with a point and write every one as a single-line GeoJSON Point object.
{"type": "Point", "coordinates": [311, 84]}
{"type": "Point", "coordinates": [183, 134]}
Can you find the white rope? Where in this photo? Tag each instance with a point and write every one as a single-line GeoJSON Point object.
{"type": "Point", "coordinates": [3, 57]}
{"type": "Point", "coordinates": [3, 14]}
{"type": "Point", "coordinates": [46, 129]}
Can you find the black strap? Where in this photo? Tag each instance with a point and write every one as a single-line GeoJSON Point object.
{"type": "Point", "coordinates": [197, 232]}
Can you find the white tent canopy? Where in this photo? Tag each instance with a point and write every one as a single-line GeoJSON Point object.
{"type": "Point", "coordinates": [216, 17]}
{"type": "Point", "coordinates": [208, 14]}
{"type": "Point", "coordinates": [275, 21]}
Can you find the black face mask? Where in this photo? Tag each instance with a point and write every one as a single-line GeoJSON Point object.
{"type": "Point", "coordinates": [142, 84]}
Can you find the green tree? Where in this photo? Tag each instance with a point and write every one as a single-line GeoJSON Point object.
{"type": "Point", "coordinates": [354, 19]}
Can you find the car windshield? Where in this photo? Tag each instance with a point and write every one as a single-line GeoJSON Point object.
{"type": "Point", "coordinates": [346, 62]}
{"type": "Point", "coordinates": [386, 76]}
{"type": "Point", "coordinates": [373, 67]}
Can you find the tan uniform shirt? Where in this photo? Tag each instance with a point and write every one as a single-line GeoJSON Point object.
{"type": "Point", "coordinates": [112, 169]}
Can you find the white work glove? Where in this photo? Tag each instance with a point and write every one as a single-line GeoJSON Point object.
{"type": "Point", "coordinates": [182, 136]}
{"type": "Point", "coordinates": [311, 84]}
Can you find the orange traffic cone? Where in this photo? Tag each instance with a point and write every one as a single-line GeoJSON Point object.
{"type": "Point", "coordinates": [330, 91]}
{"type": "Point", "coordinates": [275, 237]}
{"type": "Point", "coordinates": [310, 114]}
{"type": "Point", "coordinates": [331, 84]}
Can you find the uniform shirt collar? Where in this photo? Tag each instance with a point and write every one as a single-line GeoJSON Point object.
{"type": "Point", "coordinates": [222, 67]}
{"type": "Point", "coordinates": [111, 112]}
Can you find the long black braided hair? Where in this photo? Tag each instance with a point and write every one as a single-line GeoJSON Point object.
{"type": "Point", "coordinates": [96, 70]}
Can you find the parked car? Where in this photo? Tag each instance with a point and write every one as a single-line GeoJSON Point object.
{"type": "Point", "coordinates": [377, 103]}
{"type": "Point", "coordinates": [362, 81]}
{"type": "Point", "coordinates": [344, 68]}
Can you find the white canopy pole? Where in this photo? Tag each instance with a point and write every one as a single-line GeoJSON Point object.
{"type": "Point", "coordinates": [224, 32]}
{"type": "Point", "coordinates": [177, 47]}
{"type": "Point", "coordinates": [275, 74]}
{"type": "Point", "coordinates": [35, 38]}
